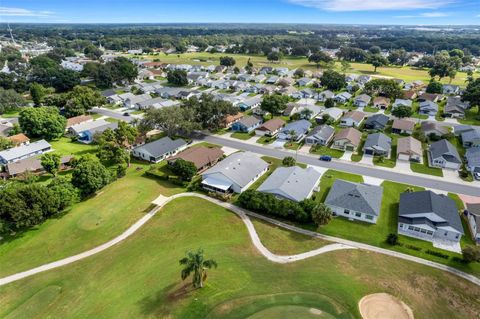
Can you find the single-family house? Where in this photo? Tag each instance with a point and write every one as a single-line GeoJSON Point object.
{"type": "Point", "coordinates": [403, 126]}
{"type": "Point", "coordinates": [433, 128]}
{"type": "Point", "coordinates": [246, 124]}
{"type": "Point", "coordinates": [473, 217]}
{"type": "Point", "coordinates": [402, 102]}
{"type": "Point", "coordinates": [432, 97]}
{"type": "Point", "coordinates": [471, 138]}
{"type": "Point", "coordinates": [250, 103]}
{"type": "Point", "coordinates": [429, 216]}
{"type": "Point", "coordinates": [376, 122]}
{"type": "Point", "coordinates": [324, 95]}
{"type": "Point", "coordinates": [410, 94]}
{"type": "Point", "coordinates": [272, 80]}
{"type": "Point", "coordinates": [472, 156]}
{"type": "Point", "coordinates": [444, 155]}
{"type": "Point", "coordinates": [85, 132]}
{"type": "Point", "coordinates": [160, 149]}
{"type": "Point", "coordinates": [409, 149]}
{"type": "Point", "coordinates": [455, 108]}
{"type": "Point", "coordinates": [428, 108]}
{"type": "Point", "coordinates": [352, 119]}
{"type": "Point", "coordinates": [347, 139]}
{"type": "Point", "coordinates": [270, 127]}
{"type": "Point", "coordinates": [19, 139]}
{"type": "Point", "coordinates": [458, 130]}
{"type": "Point", "coordinates": [230, 119]}
{"type": "Point", "coordinates": [450, 89]}
{"type": "Point", "coordinates": [295, 131]}
{"type": "Point", "coordinates": [377, 144]}
{"type": "Point", "coordinates": [343, 97]}
{"type": "Point", "coordinates": [381, 102]}
{"type": "Point", "coordinates": [355, 201]}
{"type": "Point", "coordinates": [32, 165]}
{"type": "Point", "coordinates": [202, 157]}
{"type": "Point", "coordinates": [334, 112]}
{"type": "Point", "coordinates": [320, 135]}
{"type": "Point", "coordinates": [362, 100]}
{"type": "Point", "coordinates": [19, 153]}
{"type": "Point", "coordinates": [363, 79]}
{"type": "Point", "coordinates": [77, 120]}
{"type": "Point", "coordinates": [236, 173]}
{"type": "Point", "coordinates": [292, 183]}
{"type": "Point", "coordinates": [304, 81]}
{"type": "Point", "coordinates": [131, 102]}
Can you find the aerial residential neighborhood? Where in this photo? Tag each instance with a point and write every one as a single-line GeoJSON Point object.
{"type": "Point", "coordinates": [255, 159]}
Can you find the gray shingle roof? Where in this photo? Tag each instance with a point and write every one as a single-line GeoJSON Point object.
{"type": "Point", "coordinates": [161, 146]}
{"type": "Point", "coordinates": [322, 132]}
{"type": "Point", "coordinates": [445, 149]}
{"type": "Point", "coordinates": [377, 120]}
{"type": "Point", "coordinates": [421, 207]}
{"type": "Point", "coordinates": [356, 196]}
{"type": "Point", "coordinates": [24, 150]}
{"type": "Point", "coordinates": [249, 121]}
{"type": "Point", "coordinates": [294, 183]}
{"type": "Point", "coordinates": [378, 140]}
{"type": "Point", "coordinates": [239, 167]}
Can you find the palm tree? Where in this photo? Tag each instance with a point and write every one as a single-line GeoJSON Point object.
{"type": "Point", "coordinates": [195, 263]}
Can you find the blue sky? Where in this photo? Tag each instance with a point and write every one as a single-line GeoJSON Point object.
{"type": "Point", "coordinates": [247, 11]}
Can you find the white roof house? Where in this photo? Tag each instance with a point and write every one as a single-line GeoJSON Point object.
{"type": "Point", "coordinates": [235, 173]}
{"type": "Point", "coordinates": [293, 183]}
{"type": "Point", "coordinates": [16, 154]}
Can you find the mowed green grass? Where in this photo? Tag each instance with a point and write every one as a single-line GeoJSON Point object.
{"type": "Point", "coordinates": [86, 225]}
{"type": "Point", "coordinates": [405, 73]}
{"type": "Point", "coordinates": [140, 277]}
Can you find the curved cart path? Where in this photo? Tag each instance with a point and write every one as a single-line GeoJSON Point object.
{"type": "Point", "coordinates": [339, 243]}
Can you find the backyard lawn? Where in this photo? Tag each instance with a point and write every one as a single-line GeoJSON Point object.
{"type": "Point", "coordinates": [87, 224]}
{"type": "Point", "coordinates": [65, 146]}
{"type": "Point", "coordinates": [140, 277]}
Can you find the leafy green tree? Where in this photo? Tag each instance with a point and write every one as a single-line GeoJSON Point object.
{"type": "Point", "coordinates": [89, 175]}
{"type": "Point", "coordinates": [319, 57]}
{"type": "Point", "coordinates": [186, 170]}
{"type": "Point", "coordinates": [329, 103]}
{"type": "Point", "coordinates": [10, 100]}
{"type": "Point", "coordinates": [289, 161]}
{"type": "Point", "coordinates": [207, 112]}
{"type": "Point", "coordinates": [196, 264]}
{"type": "Point", "coordinates": [333, 80]}
{"type": "Point", "coordinates": [172, 120]}
{"type": "Point", "coordinates": [43, 122]}
{"type": "Point", "coordinates": [377, 60]}
{"type": "Point", "coordinates": [472, 93]}
{"type": "Point", "coordinates": [444, 66]}
{"type": "Point", "coordinates": [435, 87]}
{"type": "Point", "coordinates": [471, 253]}
{"type": "Point", "coordinates": [402, 111]}
{"type": "Point", "coordinates": [274, 56]}
{"type": "Point", "coordinates": [385, 87]}
{"type": "Point", "coordinates": [92, 52]}
{"type": "Point", "coordinates": [321, 214]}
{"type": "Point", "coordinates": [375, 50]}
{"type": "Point", "coordinates": [299, 73]}
{"type": "Point", "coordinates": [37, 92]}
{"type": "Point", "coordinates": [177, 77]}
{"type": "Point", "coordinates": [398, 57]}
{"type": "Point", "coordinates": [5, 143]}
{"type": "Point", "coordinates": [65, 191]}
{"type": "Point", "coordinates": [352, 54]}
{"type": "Point", "coordinates": [51, 163]}
{"type": "Point", "coordinates": [227, 61]}
{"type": "Point", "coordinates": [82, 99]}
{"type": "Point", "coordinates": [274, 103]}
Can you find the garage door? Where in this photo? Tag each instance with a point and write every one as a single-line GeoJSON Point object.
{"type": "Point", "coordinates": [369, 152]}
{"type": "Point", "coordinates": [403, 157]}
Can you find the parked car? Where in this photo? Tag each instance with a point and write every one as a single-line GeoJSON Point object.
{"type": "Point", "coordinates": [326, 158]}
{"type": "Point", "coordinates": [126, 114]}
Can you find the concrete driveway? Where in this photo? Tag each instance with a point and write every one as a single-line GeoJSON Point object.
{"type": "Point", "coordinates": [451, 175]}
{"type": "Point", "coordinates": [347, 156]}
{"type": "Point", "coordinates": [402, 166]}
{"type": "Point", "coordinates": [367, 160]}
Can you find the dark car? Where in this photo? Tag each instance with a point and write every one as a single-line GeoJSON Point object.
{"type": "Point", "coordinates": [126, 114]}
{"type": "Point", "coordinates": [326, 158]}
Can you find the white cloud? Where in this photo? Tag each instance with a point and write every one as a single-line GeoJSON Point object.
{"type": "Point", "coordinates": [370, 5]}
{"type": "Point", "coordinates": [19, 12]}
{"type": "Point", "coordinates": [425, 15]}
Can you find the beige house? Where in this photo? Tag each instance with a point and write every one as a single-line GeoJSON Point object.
{"type": "Point", "coordinates": [409, 149]}
{"type": "Point", "coordinates": [403, 126]}
{"type": "Point", "coordinates": [347, 139]}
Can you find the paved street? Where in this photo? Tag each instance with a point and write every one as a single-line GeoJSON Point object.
{"type": "Point", "coordinates": [423, 181]}
{"type": "Point", "coordinates": [113, 114]}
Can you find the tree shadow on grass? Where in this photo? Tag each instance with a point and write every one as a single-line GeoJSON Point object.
{"type": "Point", "coordinates": [159, 304]}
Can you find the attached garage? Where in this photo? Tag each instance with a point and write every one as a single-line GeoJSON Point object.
{"type": "Point", "coordinates": [403, 157]}
{"type": "Point", "coordinates": [369, 152]}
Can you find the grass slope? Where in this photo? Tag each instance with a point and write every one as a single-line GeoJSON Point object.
{"type": "Point", "coordinates": [140, 278]}
{"type": "Point", "coordinates": [86, 225]}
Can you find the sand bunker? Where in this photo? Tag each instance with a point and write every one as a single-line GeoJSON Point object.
{"type": "Point", "coordinates": [383, 306]}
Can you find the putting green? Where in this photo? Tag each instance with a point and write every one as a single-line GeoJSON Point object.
{"type": "Point", "coordinates": [297, 305]}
